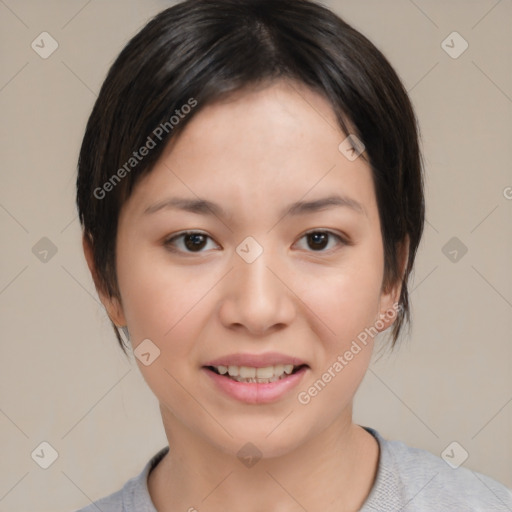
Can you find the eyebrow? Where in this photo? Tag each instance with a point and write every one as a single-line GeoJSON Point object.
{"type": "Point", "coordinates": [205, 207]}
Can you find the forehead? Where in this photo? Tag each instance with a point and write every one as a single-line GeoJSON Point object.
{"type": "Point", "coordinates": [279, 120]}
{"type": "Point", "coordinates": [273, 145]}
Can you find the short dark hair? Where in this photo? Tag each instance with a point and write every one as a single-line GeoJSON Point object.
{"type": "Point", "coordinates": [202, 50]}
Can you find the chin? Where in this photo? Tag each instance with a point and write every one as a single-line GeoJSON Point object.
{"type": "Point", "coordinates": [264, 442]}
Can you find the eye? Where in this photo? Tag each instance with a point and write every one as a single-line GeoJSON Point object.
{"type": "Point", "coordinates": [188, 241]}
{"type": "Point", "coordinates": [196, 241]}
{"type": "Point", "coordinates": [319, 240]}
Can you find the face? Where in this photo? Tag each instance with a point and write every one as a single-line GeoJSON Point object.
{"type": "Point", "coordinates": [280, 267]}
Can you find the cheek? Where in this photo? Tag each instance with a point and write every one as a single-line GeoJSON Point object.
{"type": "Point", "coordinates": [346, 301]}
{"type": "Point", "coordinates": [347, 305]}
{"type": "Point", "coordinates": [154, 296]}
{"type": "Point", "coordinates": [164, 303]}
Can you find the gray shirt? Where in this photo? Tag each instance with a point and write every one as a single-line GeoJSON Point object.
{"type": "Point", "coordinates": [408, 480]}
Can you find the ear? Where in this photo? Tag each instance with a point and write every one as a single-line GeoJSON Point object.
{"type": "Point", "coordinates": [389, 305]}
{"type": "Point", "coordinates": [111, 304]}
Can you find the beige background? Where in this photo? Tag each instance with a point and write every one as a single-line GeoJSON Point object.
{"type": "Point", "coordinates": [63, 378]}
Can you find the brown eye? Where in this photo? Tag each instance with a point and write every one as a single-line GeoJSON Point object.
{"type": "Point", "coordinates": [318, 241]}
{"type": "Point", "coordinates": [190, 241]}
{"type": "Point", "coordinates": [194, 242]}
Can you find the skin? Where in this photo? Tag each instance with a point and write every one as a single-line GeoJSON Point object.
{"type": "Point", "coordinates": [255, 154]}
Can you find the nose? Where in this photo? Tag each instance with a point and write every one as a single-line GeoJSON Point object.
{"type": "Point", "coordinates": [257, 298]}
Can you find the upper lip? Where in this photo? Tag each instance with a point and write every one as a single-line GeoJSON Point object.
{"type": "Point", "coordinates": [255, 360]}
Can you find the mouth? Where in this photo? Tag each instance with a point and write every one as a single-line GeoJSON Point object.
{"type": "Point", "coordinates": [256, 385]}
{"type": "Point", "coordinates": [255, 378]}
{"type": "Point", "coordinates": [256, 375]}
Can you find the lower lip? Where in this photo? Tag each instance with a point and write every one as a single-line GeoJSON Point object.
{"type": "Point", "coordinates": [254, 393]}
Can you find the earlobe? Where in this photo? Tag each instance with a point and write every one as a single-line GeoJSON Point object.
{"type": "Point", "coordinates": [111, 304]}
{"type": "Point", "coordinates": [388, 310]}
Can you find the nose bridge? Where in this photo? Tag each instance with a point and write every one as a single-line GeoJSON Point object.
{"type": "Point", "coordinates": [257, 298]}
{"type": "Point", "coordinates": [253, 270]}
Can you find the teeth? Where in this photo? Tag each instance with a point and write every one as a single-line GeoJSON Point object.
{"type": "Point", "coordinates": [265, 373]}
{"type": "Point", "coordinates": [251, 374]}
{"type": "Point", "coordinates": [247, 373]}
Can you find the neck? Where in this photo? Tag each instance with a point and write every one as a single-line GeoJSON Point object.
{"type": "Point", "coordinates": [333, 471]}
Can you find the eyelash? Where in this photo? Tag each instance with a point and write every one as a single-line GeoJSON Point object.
{"type": "Point", "coordinates": [169, 242]}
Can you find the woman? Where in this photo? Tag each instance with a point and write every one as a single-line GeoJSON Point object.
{"type": "Point", "coordinates": [250, 191]}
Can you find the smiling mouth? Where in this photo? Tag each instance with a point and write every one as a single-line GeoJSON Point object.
{"type": "Point", "coordinates": [250, 374]}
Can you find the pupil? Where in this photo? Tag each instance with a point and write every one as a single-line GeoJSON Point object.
{"type": "Point", "coordinates": [197, 241]}
{"type": "Point", "coordinates": [318, 238]}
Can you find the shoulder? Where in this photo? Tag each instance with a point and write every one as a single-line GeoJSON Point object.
{"type": "Point", "coordinates": [134, 495]}
{"type": "Point", "coordinates": [417, 480]}
{"type": "Point", "coordinates": [111, 503]}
